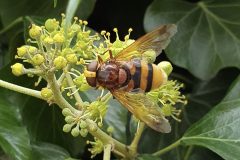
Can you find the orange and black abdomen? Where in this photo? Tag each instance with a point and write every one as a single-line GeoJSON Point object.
{"type": "Point", "coordinates": [144, 76]}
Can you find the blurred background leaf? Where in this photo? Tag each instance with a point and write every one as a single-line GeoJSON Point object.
{"type": "Point", "coordinates": [219, 129]}
{"type": "Point", "coordinates": [208, 33]}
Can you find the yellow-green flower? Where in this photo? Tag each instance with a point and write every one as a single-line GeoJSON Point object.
{"type": "Point", "coordinates": [97, 147]}
{"type": "Point", "coordinates": [17, 69]}
{"type": "Point", "coordinates": [46, 93]}
{"type": "Point", "coordinates": [35, 31]}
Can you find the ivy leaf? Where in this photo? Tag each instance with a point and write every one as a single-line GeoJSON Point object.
{"type": "Point", "coordinates": [117, 118]}
{"type": "Point", "coordinates": [11, 10]}
{"type": "Point", "coordinates": [147, 157]}
{"type": "Point", "coordinates": [49, 151]}
{"type": "Point", "coordinates": [201, 96]}
{"type": "Point", "coordinates": [45, 123]}
{"type": "Point", "coordinates": [14, 138]}
{"type": "Point", "coordinates": [219, 129]}
{"type": "Point", "coordinates": [208, 36]}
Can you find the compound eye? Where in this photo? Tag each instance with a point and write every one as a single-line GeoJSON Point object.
{"type": "Point", "coordinates": [91, 73]}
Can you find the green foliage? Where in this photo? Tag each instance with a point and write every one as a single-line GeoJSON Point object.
{"type": "Point", "coordinates": [207, 41]}
{"type": "Point", "coordinates": [14, 138]}
{"type": "Point", "coordinates": [219, 129]}
{"type": "Point", "coordinates": [198, 46]}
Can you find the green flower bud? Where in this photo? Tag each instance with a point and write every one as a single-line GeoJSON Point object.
{"type": "Point", "coordinates": [83, 124]}
{"type": "Point", "coordinates": [58, 38]}
{"type": "Point", "coordinates": [150, 56]}
{"type": "Point", "coordinates": [75, 27]}
{"type": "Point", "coordinates": [60, 62]}
{"type": "Point", "coordinates": [32, 50]}
{"type": "Point", "coordinates": [18, 69]}
{"type": "Point", "coordinates": [66, 112]}
{"type": "Point", "coordinates": [46, 93]}
{"type": "Point", "coordinates": [75, 132]}
{"type": "Point", "coordinates": [48, 40]}
{"type": "Point", "coordinates": [38, 59]}
{"type": "Point", "coordinates": [92, 128]}
{"type": "Point", "coordinates": [35, 31]}
{"type": "Point", "coordinates": [100, 124]}
{"type": "Point", "coordinates": [129, 41]}
{"type": "Point", "coordinates": [67, 128]}
{"type": "Point", "coordinates": [51, 24]}
{"type": "Point", "coordinates": [83, 36]}
{"type": "Point", "coordinates": [83, 132]}
{"type": "Point", "coordinates": [82, 45]}
{"type": "Point", "coordinates": [66, 51]}
{"type": "Point", "coordinates": [118, 44]}
{"type": "Point", "coordinates": [71, 58]}
{"type": "Point", "coordinates": [69, 119]}
{"type": "Point", "coordinates": [21, 51]}
{"type": "Point", "coordinates": [110, 129]}
{"type": "Point", "coordinates": [166, 67]}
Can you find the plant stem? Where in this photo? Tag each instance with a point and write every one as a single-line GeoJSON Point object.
{"type": "Point", "coordinates": [188, 153]}
{"type": "Point", "coordinates": [59, 99]}
{"type": "Point", "coordinates": [106, 97]}
{"type": "Point", "coordinates": [107, 152]}
{"type": "Point", "coordinates": [168, 148]}
{"type": "Point", "coordinates": [106, 139]}
{"type": "Point", "coordinates": [97, 132]}
{"type": "Point", "coordinates": [20, 89]}
{"type": "Point", "coordinates": [137, 137]}
{"type": "Point", "coordinates": [74, 90]}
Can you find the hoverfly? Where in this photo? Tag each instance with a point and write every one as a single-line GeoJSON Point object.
{"type": "Point", "coordinates": [128, 76]}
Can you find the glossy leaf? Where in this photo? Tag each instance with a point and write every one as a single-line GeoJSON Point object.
{"type": "Point", "coordinates": [11, 10]}
{"type": "Point", "coordinates": [219, 129]}
{"type": "Point", "coordinates": [208, 33]}
{"type": "Point", "coordinates": [45, 124]}
{"type": "Point", "coordinates": [42, 151]}
{"type": "Point", "coordinates": [14, 138]}
{"type": "Point", "coordinates": [147, 157]}
{"type": "Point", "coordinates": [202, 96]}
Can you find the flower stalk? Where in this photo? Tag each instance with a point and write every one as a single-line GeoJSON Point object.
{"type": "Point", "coordinates": [168, 148]}
{"type": "Point", "coordinates": [137, 137]}
{"type": "Point", "coordinates": [107, 152]}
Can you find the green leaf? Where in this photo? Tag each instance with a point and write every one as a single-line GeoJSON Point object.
{"type": "Point", "coordinates": [45, 123]}
{"type": "Point", "coordinates": [117, 118]}
{"type": "Point", "coordinates": [201, 96]}
{"type": "Point", "coordinates": [44, 151]}
{"type": "Point", "coordinates": [147, 157]}
{"type": "Point", "coordinates": [208, 32]}
{"type": "Point", "coordinates": [11, 10]}
{"type": "Point", "coordinates": [219, 129]}
{"type": "Point", "coordinates": [14, 138]}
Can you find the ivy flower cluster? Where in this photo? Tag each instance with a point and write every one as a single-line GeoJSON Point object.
{"type": "Point", "coordinates": [168, 95]}
{"type": "Point", "coordinates": [64, 51]}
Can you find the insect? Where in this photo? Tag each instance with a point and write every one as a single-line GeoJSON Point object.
{"type": "Point", "coordinates": [128, 76]}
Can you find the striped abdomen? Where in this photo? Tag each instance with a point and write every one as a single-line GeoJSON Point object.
{"type": "Point", "coordinates": [144, 76]}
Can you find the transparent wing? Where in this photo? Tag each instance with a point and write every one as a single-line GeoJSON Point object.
{"type": "Point", "coordinates": [144, 109]}
{"type": "Point", "coordinates": [156, 40]}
